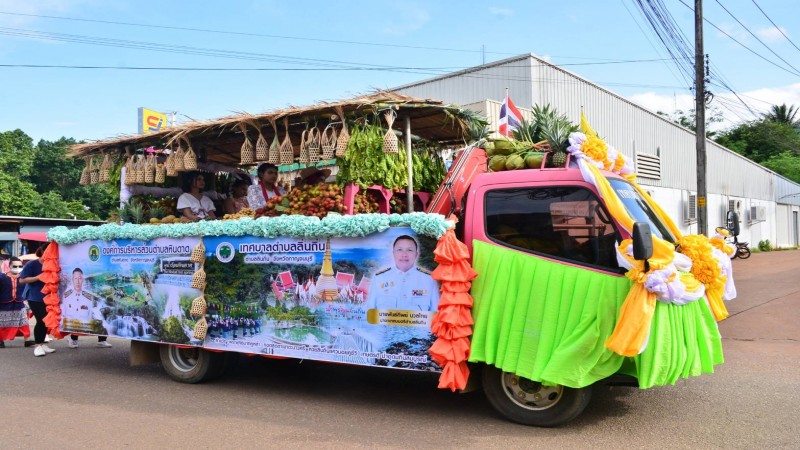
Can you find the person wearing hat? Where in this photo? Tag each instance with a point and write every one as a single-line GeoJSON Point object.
{"type": "Point", "coordinates": [311, 176]}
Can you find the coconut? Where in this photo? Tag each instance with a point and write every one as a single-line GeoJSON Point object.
{"type": "Point", "coordinates": [497, 163]}
{"type": "Point", "coordinates": [533, 160]}
{"type": "Point", "coordinates": [514, 162]}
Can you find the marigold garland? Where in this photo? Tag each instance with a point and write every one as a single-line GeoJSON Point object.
{"type": "Point", "coordinates": [51, 277]}
{"type": "Point", "coordinates": [595, 148]}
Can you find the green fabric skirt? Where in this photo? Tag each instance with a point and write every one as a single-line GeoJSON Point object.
{"type": "Point", "coordinates": [548, 321]}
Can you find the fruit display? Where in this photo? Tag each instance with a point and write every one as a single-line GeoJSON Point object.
{"type": "Point", "coordinates": [244, 212]}
{"type": "Point", "coordinates": [316, 200]}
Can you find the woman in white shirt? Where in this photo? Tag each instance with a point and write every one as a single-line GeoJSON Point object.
{"type": "Point", "coordinates": [258, 194]}
{"type": "Point", "coordinates": [193, 204]}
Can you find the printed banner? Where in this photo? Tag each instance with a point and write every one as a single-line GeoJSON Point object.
{"type": "Point", "coordinates": [151, 121]}
{"type": "Point", "coordinates": [130, 289]}
{"type": "Point", "coordinates": [366, 301]}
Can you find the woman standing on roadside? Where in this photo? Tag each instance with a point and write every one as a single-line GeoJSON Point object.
{"type": "Point", "coordinates": [13, 314]}
{"type": "Point", "coordinates": [30, 276]}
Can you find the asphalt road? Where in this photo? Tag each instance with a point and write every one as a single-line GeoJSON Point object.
{"type": "Point", "coordinates": [90, 397]}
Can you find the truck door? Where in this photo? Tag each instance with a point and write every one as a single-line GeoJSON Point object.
{"type": "Point", "coordinates": [567, 223]}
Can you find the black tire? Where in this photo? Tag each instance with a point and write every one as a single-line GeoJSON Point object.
{"type": "Point", "coordinates": [743, 252]}
{"type": "Point", "coordinates": [191, 365]}
{"type": "Point", "coordinates": [530, 403]}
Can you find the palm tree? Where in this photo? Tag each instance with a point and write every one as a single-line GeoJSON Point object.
{"type": "Point", "coordinates": [783, 114]}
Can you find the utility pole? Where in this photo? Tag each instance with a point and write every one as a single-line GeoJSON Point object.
{"type": "Point", "coordinates": [700, 117]}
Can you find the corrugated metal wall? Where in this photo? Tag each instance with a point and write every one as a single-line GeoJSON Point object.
{"type": "Point", "coordinates": [786, 191]}
{"type": "Point", "coordinates": [626, 126]}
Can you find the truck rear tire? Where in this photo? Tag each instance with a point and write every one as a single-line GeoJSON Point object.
{"type": "Point", "coordinates": [531, 403]}
{"type": "Point", "coordinates": [191, 365]}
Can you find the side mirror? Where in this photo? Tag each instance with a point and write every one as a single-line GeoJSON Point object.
{"type": "Point", "coordinates": [733, 222]}
{"type": "Point", "coordinates": [642, 241]}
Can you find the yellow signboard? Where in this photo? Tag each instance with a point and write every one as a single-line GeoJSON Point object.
{"type": "Point", "coordinates": [151, 121]}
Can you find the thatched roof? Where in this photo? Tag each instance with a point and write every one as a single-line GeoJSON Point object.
{"type": "Point", "coordinates": [221, 140]}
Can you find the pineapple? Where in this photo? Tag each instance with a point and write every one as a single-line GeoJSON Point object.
{"type": "Point", "coordinates": [555, 129]}
{"type": "Point", "coordinates": [134, 212]}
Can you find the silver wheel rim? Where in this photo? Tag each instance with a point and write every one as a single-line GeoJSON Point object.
{"type": "Point", "coordinates": [184, 359]}
{"type": "Point", "coordinates": [529, 394]}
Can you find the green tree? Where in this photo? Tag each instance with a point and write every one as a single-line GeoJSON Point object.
{"type": "Point", "coordinates": [783, 114]}
{"type": "Point", "coordinates": [688, 119]}
{"type": "Point", "coordinates": [761, 140]}
{"type": "Point", "coordinates": [786, 164]}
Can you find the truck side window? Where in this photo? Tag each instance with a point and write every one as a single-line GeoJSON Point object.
{"type": "Point", "coordinates": [566, 222]}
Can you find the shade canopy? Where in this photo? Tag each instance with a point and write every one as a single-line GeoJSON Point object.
{"type": "Point", "coordinates": [38, 236]}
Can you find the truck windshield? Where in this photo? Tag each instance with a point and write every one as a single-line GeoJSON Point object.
{"type": "Point", "coordinates": [639, 210]}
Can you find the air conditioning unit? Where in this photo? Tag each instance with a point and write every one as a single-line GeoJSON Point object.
{"type": "Point", "coordinates": [758, 214]}
{"type": "Point", "coordinates": [690, 212]}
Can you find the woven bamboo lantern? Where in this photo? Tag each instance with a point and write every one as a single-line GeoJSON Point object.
{"type": "Point", "coordinates": [200, 329]}
{"type": "Point", "coordinates": [286, 149]}
{"type": "Point", "coordinates": [170, 165]}
{"type": "Point", "coordinates": [328, 142]}
{"type": "Point", "coordinates": [390, 139]}
{"type": "Point", "coordinates": [199, 279]}
{"type": "Point", "coordinates": [94, 172]}
{"type": "Point", "coordinates": [198, 253]}
{"type": "Point", "coordinates": [199, 306]}
{"type": "Point", "coordinates": [262, 146]}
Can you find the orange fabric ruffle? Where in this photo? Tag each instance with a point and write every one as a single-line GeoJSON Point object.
{"type": "Point", "coordinates": [633, 326]}
{"type": "Point", "coordinates": [51, 278]}
{"type": "Point", "coordinates": [453, 323]}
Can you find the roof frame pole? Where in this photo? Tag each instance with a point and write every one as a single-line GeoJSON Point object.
{"type": "Point", "coordinates": [410, 189]}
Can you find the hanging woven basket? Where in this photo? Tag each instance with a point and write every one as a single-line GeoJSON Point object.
{"type": "Point", "coordinates": [313, 145]}
{"type": "Point", "coordinates": [328, 142]}
{"type": "Point", "coordinates": [273, 156]}
{"type": "Point", "coordinates": [94, 172]}
{"type": "Point", "coordinates": [189, 158]}
{"type": "Point", "coordinates": [150, 170]}
{"type": "Point", "coordinates": [200, 329]}
{"type": "Point", "coordinates": [262, 146]}
{"type": "Point", "coordinates": [344, 136]}
{"type": "Point", "coordinates": [85, 176]}
{"type": "Point", "coordinates": [199, 306]}
{"type": "Point", "coordinates": [139, 169]}
{"type": "Point", "coordinates": [130, 177]}
{"type": "Point", "coordinates": [178, 159]}
{"type": "Point", "coordinates": [105, 169]}
{"type": "Point", "coordinates": [304, 157]}
{"type": "Point", "coordinates": [247, 153]}
{"type": "Point", "coordinates": [198, 253]}
{"type": "Point", "coordinates": [161, 173]}
{"type": "Point", "coordinates": [286, 149]}
{"type": "Point", "coordinates": [390, 139]}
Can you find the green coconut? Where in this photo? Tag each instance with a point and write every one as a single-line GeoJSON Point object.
{"type": "Point", "coordinates": [497, 163]}
{"type": "Point", "coordinates": [515, 162]}
{"type": "Point", "coordinates": [533, 160]}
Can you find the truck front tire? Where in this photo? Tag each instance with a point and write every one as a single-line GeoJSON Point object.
{"type": "Point", "coordinates": [191, 365]}
{"type": "Point", "coordinates": [531, 403]}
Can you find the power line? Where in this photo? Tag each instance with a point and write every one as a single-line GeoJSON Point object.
{"type": "Point", "coordinates": [742, 45]}
{"type": "Point", "coordinates": [754, 35]}
{"type": "Point", "coordinates": [775, 25]}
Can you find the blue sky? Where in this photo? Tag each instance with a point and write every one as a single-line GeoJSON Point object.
{"type": "Point", "coordinates": [406, 41]}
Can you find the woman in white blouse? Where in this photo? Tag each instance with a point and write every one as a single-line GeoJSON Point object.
{"type": "Point", "coordinates": [193, 204]}
{"type": "Point", "coordinates": [258, 194]}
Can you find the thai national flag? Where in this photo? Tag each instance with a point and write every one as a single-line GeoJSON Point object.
{"type": "Point", "coordinates": [510, 117]}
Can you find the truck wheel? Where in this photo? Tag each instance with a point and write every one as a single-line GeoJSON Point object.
{"type": "Point", "coordinates": [191, 365]}
{"type": "Point", "coordinates": [531, 403]}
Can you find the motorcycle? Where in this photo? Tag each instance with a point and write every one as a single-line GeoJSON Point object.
{"type": "Point", "coordinates": [742, 248]}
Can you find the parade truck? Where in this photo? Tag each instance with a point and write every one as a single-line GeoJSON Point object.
{"type": "Point", "coordinates": [535, 267]}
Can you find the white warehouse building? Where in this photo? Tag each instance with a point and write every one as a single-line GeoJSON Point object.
{"type": "Point", "coordinates": [664, 152]}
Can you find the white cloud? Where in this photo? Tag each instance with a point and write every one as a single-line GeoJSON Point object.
{"type": "Point", "coordinates": [505, 12]}
{"type": "Point", "coordinates": [771, 34]}
{"type": "Point", "coordinates": [733, 111]}
{"type": "Point", "coordinates": [735, 31]}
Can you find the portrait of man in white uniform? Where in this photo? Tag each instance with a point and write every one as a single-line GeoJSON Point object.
{"type": "Point", "coordinates": [404, 286]}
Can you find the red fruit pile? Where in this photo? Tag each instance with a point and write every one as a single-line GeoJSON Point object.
{"type": "Point", "coordinates": [315, 200]}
